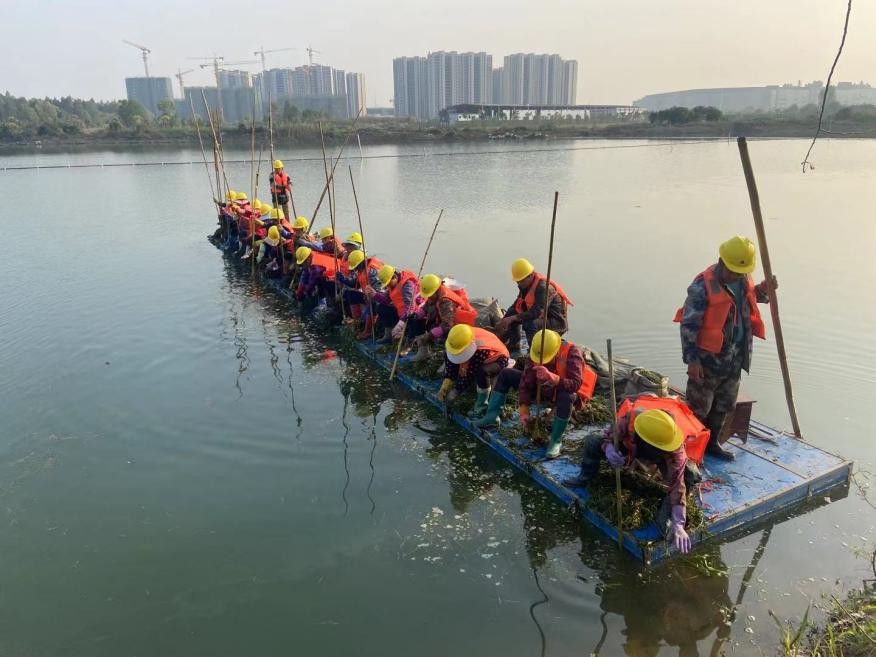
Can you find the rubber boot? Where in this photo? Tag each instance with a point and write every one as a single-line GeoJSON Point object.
{"type": "Point", "coordinates": [491, 417]}
{"type": "Point", "coordinates": [387, 336]}
{"type": "Point", "coordinates": [714, 449]}
{"type": "Point", "coordinates": [480, 405]}
{"type": "Point", "coordinates": [423, 352]}
{"type": "Point", "coordinates": [558, 428]}
{"type": "Point", "coordinates": [365, 333]}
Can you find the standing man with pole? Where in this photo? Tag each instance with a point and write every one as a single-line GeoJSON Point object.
{"type": "Point", "coordinates": [719, 321]}
{"type": "Point", "coordinates": [281, 188]}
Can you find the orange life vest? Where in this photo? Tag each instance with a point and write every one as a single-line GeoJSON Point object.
{"type": "Point", "coordinates": [371, 264]}
{"type": "Point", "coordinates": [720, 303]}
{"type": "Point", "coordinates": [324, 260]}
{"type": "Point", "coordinates": [463, 312]}
{"type": "Point", "coordinates": [490, 342]}
{"type": "Point", "coordinates": [395, 294]}
{"type": "Point", "coordinates": [279, 182]}
{"type": "Point", "coordinates": [696, 436]}
{"type": "Point", "coordinates": [588, 376]}
{"type": "Point", "coordinates": [528, 300]}
{"type": "Point", "coordinates": [344, 266]}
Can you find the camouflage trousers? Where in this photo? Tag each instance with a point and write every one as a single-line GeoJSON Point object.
{"type": "Point", "coordinates": [713, 397]}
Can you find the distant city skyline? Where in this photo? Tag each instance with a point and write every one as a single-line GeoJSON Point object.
{"type": "Point", "coordinates": [625, 50]}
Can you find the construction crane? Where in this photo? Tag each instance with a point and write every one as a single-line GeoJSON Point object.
{"type": "Point", "coordinates": [261, 53]}
{"type": "Point", "coordinates": [179, 76]}
{"type": "Point", "coordinates": [310, 52]}
{"type": "Point", "coordinates": [144, 50]}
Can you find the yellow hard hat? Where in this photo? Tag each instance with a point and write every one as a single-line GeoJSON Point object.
{"type": "Point", "coordinates": [257, 204]}
{"type": "Point", "coordinates": [354, 238]}
{"type": "Point", "coordinates": [552, 342]}
{"type": "Point", "coordinates": [739, 254]}
{"type": "Point", "coordinates": [326, 232]}
{"type": "Point", "coordinates": [520, 269]}
{"type": "Point", "coordinates": [302, 253]}
{"type": "Point", "coordinates": [355, 258]}
{"type": "Point", "coordinates": [657, 428]}
{"type": "Point", "coordinates": [301, 223]}
{"type": "Point", "coordinates": [429, 285]}
{"type": "Point", "coordinates": [278, 164]}
{"type": "Point", "coordinates": [241, 196]}
{"type": "Point", "coordinates": [384, 275]}
{"type": "Point", "coordinates": [273, 237]}
{"type": "Point", "coordinates": [460, 344]}
{"type": "Point", "coordinates": [277, 213]}
{"type": "Point", "coordinates": [230, 195]}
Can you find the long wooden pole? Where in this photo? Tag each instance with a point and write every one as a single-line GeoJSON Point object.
{"type": "Point", "coordinates": [768, 274]}
{"type": "Point", "coordinates": [253, 227]}
{"type": "Point", "coordinates": [547, 300]}
{"type": "Point", "coordinates": [419, 275]}
{"type": "Point", "coordinates": [203, 152]}
{"type": "Point", "coordinates": [274, 203]}
{"type": "Point", "coordinates": [216, 140]}
{"type": "Point", "coordinates": [331, 210]}
{"type": "Point", "coordinates": [332, 173]}
{"type": "Point", "coordinates": [362, 233]}
{"type": "Point", "coordinates": [615, 439]}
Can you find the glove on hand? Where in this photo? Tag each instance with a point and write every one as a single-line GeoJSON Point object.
{"type": "Point", "coordinates": [615, 458]}
{"type": "Point", "coordinates": [437, 332]}
{"type": "Point", "coordinates": [545, 377]}
{"type": "Point", "coordinates": [677, 533]}
{"type": "Point", "coordinates": [398, 328]}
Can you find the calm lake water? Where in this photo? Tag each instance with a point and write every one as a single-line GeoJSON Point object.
{"type": "Point", "coordinates": [185, 468]}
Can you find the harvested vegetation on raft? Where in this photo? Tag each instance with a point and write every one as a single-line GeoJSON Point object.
{"type": "Point", "coordinates": [641, 500]}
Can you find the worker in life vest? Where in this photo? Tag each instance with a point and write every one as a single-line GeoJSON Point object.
{"type": "Point", "coordinates": [565, 381]}
{"type": "Point", "coordinates": [300, 237]}
{"type": "Point", "coordinates": [353, 242]}
{"type": "Point", "coordinates": [317, 279]}
{"type": "Point", "coordinates": [526, 311]}
{"type": "Point", "coordinates": [246, 222]}
{"type": "Point", "coordinates": [327, 242]}
{"type": "Point", "coordinates": [396, 300]}
{"type": "Point", "coordinates": [281, 187]}
{"type": "Point", "coordinates": [223, 210]}
{"type": "Point", "coordinates": [718, 321]}
{"type": "Point", "coordinates": [653, 438]}
{"type": "Point", "coordinates": [443, 309]}
{"type": "Point", "coordinates": [360, 281]}
{"type": "Point", "coordinates": [471, 355]}
{"type": "Point", "coordinates": [268, 257]}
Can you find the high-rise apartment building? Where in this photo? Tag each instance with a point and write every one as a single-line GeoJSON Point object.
{"type": "Point", "coordinates": [426, 85]}
{"type": "Point", "coordinates": [530, 79]}
{"type": "Point", "coordinates": [149, 92]}
{"type": "Point", "coordinates": [355, 92]}
{"type": "Point", "coordinates": [234, 79]}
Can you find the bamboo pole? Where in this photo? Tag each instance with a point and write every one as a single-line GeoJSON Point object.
{"type": "Point", "coordinates": [547, 300]}
{"type": "Point", "coordinates": [274, 203]}
{"type": "Point", "coordinates": [419, 275]}
{"type": "Point", "coordinates": [203, 152]}
{"type": "Point", "coordinates": [331, 212]}
{"type": "Point", "coordinates": [362, 233]}
{"type": "Point", "coordinates": [253, 226]}
{"type": "Point", "coordinates": [768, 274]}
{"type": "Point", "coordinates": [216, 140]}
{"type": "Point", "coordinates": [615, 439]}
{"type": "Point", "coordinates": [332, 173]}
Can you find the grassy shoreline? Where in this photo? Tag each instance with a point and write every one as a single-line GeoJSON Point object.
{"type": "Point", "coordinates": [383, 132]}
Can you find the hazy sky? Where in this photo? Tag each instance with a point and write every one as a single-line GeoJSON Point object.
{"type": "Point", "coordinates": [625, 48]}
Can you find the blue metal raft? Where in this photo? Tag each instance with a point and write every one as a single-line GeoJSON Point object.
{"type": "Point", "coordinates": [773, 473]}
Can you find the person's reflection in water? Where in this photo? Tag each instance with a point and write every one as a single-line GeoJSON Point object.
{"type": "Point", "coordinates": [678, 604]}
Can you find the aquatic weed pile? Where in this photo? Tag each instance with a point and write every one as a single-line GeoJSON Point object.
{"type": "Point", "coordinates": [429, 369]}
{"type": "Point", "coordinates": [641, 500]}
{"type": "Point", "coordinates": [596, 411]}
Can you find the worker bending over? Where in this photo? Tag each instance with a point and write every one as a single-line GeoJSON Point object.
{"type": "Point", "coordinates": [472, 355]}
{"type": "Point", "coordinates": [559, 372]}
{"type": "Point", "coordinates": [443, 309]}
{"type": "Point", "coordinates": [397, 302]}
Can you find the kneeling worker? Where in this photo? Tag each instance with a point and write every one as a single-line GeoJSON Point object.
{"type": "Point", "coordinates": [527, 310]}
{"type": "Point", "coordinates": [398, 302]}
{"type": "Point", "coordinates": [471, 355]}
{"type": "Point", "coordinates": [654, 438]}
{"type": "Point", "coordinates": [317, 280]}
{"type": "Point", "coordinates": [559, 370]}
{"type": "Point", "coordinates": [444, 308]}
